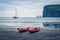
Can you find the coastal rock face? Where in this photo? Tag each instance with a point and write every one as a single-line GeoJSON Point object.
{"type": "Point", "coordinates": [51, 11]}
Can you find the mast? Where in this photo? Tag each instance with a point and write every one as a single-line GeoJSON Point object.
{"type": "Point", "coordinates": [16, 15]}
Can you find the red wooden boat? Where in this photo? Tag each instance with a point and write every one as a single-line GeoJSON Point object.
{"type": "Point", "coordinates": [34, 30]}
{"type": "Point", "coordinates": [22, 29]}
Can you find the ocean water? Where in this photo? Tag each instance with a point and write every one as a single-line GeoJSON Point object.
{"type": "Point", "coordinates": [26, 21]}
{"type": "Point", "coordinates": [8, 29]}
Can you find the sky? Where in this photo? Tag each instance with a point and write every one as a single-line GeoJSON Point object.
{"type": "Point", "coordinates": [25, 8]}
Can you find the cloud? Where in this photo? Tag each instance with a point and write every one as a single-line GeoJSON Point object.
{"type": "Point", "coordinates": [25, 8]}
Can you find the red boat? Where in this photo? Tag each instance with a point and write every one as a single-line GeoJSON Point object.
{"type": "Point", "coordinates": [34, 30]}
{"type": "Point", "coordinates": [22, 29]}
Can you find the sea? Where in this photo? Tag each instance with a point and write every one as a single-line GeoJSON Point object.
{"type": "Point", "coordinates": [9, 25]}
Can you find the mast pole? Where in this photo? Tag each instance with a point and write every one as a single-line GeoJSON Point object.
{"type": "Point", "coordinates": [16, 12]}
{"type": "Point", "coordinates": [16, 15]}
